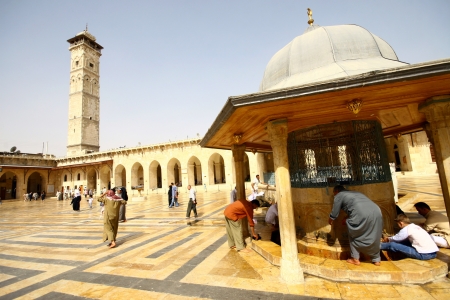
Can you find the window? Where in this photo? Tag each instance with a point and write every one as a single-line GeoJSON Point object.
{"type": "Point", "coordinates": [78, 176]}
{"type": "Point", "coordinates": [76, 63]}
{"type": "Point", "coordinates": [91, 65]}
{"type": "Point", "coordinates": [90, 118]}
{"type": "Point", "coordinates": [65, 177]}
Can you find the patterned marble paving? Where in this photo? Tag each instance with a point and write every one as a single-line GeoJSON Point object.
{"type": "Point", "coordinates": [48, 251]}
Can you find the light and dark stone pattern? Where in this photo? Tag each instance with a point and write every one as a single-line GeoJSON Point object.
{"type": "Point", "coordinates": [47, 251]}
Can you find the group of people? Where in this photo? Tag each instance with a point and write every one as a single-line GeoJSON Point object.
{"type": "Point", "coordinates": [173, 199]}
{"type": "Point", "coordinates": [364, 223]}
{"type": "Point", "coordinates": [30, 196]}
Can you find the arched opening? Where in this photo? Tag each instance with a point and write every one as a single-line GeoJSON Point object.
{"type": "Point", "coordinates": [8, 186]}
{"type": "Point", "coordinates": [174, 171]}
{"type": "Point", "coordinates": [397, 158]}
{"type": "Point", "coordinates": [105, 178]}
{"type": "Point", "coordinates": [78, 176]}
{"type": "Point", "coordinates": [194, 171]}
{"type": "Point", "coordinates": [216, 169]}
{"type": "Point", "coordinates": [35, 183]}
{"type": "Point", "coordinates": [137, 175]}
{"type": "Point", "coordinates": [120, 176]}
{"type": "Point", "coordinates": [91, 179]}
{"type": "Point", "coordinates": [155, 180]}
{"type": "Point", "coordinates": [65, 177]}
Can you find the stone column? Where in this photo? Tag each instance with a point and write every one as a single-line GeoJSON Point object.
{"type": "Point", "coordinates": [437, 112]}
{"type": "Point", "coordinates": [290, 265]}
{"type": "Point", "coordinates": [238, 156]}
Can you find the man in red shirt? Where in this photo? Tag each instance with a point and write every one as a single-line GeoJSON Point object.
{"type": "Point", "coordinates": [234, 213]}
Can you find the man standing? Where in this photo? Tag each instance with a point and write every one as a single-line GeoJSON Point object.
{"type": "Point", "coordinates": [192, 203]}
{"type": "Point", "coordinates": [436, 224]}
{"type": "Point", "coordinates": [364, 223]}
{"type": "Point", "coordinates": [411, 240]}
{"type": "Point", "coordinates": [233, 195]}
{"type": "Point", "coordinates": [234, 214]}
{"type": "Point", "coordinates": [255, 184]}
{"type": "Point", "coordinates": [174, 196]}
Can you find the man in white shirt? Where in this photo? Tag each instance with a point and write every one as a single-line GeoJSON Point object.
{"type": "Point", "coordinates": [255, 184]}
{"type": "Point", "coordinates": [411, 240]}
{"type": "Point", "coordinates": [192, 203]}
{"type": "Point", "coordinates": [436, 224]}
{"type": "Point", "coordinates": [272, 215]}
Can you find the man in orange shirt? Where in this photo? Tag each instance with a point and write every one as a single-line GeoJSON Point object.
{"type": "Point", "coordinates": [234, 213]}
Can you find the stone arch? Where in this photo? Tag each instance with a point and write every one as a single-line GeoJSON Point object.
{"type": "Point", "coordinates": [73, 84]}
{"type": "Point", "coordinates": [216, 169]}
{"type": "Point", "coordinates": [137, 174]}
{"type": "Point", "coordinates": [155, 180]}
{"type": "Point", "coordinates": [8, 185]}
{"type": "Point", "coordinates": [95, 87]}
{"type": "Point", "coordinates": [105, 178]}
{"type": "Point", "coordinates": [79, 83]}
{"type": "Point", "coordinates": [36, 182]}
{"type": "Point", "coordinates": [174, 171]}
{"type": "Point", "coordinates": [194, 171]}
{"type": "Point", "coordinates": [87, 84]}
{"type": "Point", "coordinates": [91, 182]}
{"type": "Point", "coordinates": [120, 176]}
{"type": "Point", "coordinates": [75, 64]}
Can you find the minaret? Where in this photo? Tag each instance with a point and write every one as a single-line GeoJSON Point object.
{"type": "Point", "coordinates": [84, 97]}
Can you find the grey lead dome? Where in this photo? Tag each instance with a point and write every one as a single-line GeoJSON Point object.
{"type": "Point", "coordinates": [328, 52]}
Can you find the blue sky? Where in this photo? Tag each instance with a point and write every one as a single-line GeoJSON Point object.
{"type": "Point", "coordinates": [168, 67]}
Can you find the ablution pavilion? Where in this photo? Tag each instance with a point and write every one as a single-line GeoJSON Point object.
{"type": "Point", "coordinates": [326, 104]}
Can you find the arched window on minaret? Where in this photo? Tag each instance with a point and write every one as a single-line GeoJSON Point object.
{"type": "Point", "coordinates": [95, 87]}
{"type": "Point", "coordinates": [87, 84]}
{"type": "Point", "coordinates": [73, 84]}
{"type": "Point", "coordinates": [76, 63]}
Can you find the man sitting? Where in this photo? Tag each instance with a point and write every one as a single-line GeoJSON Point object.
{"type": "Point", "coordinates": [411, 240]}
{"type": "Point", "coordinates": [436, 224]}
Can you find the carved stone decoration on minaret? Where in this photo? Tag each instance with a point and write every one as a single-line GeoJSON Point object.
{"type": "Point", "coordinates": [84, 96]}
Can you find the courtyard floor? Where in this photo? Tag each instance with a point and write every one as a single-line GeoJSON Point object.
{"type": "Point", "coordinates": [49, 251]}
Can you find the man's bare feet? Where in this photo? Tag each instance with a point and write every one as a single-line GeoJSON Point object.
{"type": "Point", "coordinates": [113, 244]}
{"type": "Point", "coordinates": [377, 263]}
{"type": "Point", "coordinates": [233, 247]}
{"type": "Point", "coordinates": [353, 261]}
{"type": "Point", "coordinates": [245, 250]}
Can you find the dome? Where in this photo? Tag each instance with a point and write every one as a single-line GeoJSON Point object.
{"type": "Point", "coordinates": [328, 52]}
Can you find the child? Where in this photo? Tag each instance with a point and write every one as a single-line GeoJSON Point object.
{"type": "Point", "coordinates": [90, 201]}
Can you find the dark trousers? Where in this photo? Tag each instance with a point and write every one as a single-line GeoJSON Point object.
{"type": "Point", "coordinates": [191, 206]}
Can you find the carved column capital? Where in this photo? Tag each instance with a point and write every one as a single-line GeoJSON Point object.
{"type": "Point", "coordinates": [277, 131]}
{"type": "Point", "coordinates": [238, 152]}
{"type": "Point", "coordinates": [437, 111]}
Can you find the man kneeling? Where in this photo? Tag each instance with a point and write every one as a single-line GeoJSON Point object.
{"type": "Point", "coordinates": [411, 240]}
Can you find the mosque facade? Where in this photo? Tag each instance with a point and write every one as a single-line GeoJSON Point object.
{"type": "Point", "coordinates": [153, 167]}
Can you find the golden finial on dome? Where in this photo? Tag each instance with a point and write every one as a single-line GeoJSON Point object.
{"type": "Point", "coordinates": [311, 20]}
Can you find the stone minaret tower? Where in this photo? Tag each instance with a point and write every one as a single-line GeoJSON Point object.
{"type": "Point", "coordinates": [84, 97]}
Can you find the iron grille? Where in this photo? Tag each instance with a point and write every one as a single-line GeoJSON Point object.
{"type": "Point", "coordinates": [350, 153]}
